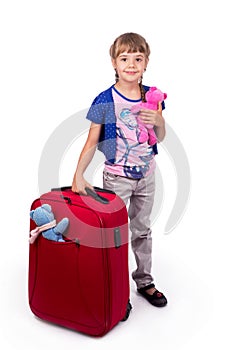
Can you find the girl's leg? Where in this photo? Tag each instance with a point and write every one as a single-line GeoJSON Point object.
{"type": "Point", "coordinates": [139, 194]}
{"type": "Point", "coordinates": [141, 204]}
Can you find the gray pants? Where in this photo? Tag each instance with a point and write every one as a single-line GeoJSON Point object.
{"type": "Point", "coordinates": [139, 195]}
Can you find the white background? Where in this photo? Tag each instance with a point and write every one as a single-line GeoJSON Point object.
{"type": "Point", "coordinates": [54, 61]}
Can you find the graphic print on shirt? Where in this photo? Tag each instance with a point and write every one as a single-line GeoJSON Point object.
{"type": "Point", "coordinates": [134, 157]}
{"type": "Point", "coordinates": [125, 116]}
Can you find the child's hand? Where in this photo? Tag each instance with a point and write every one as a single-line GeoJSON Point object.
{"type": "Point", "coordinates": [149, 116]}
{"type": "Point", "coordinates": [79, 184]}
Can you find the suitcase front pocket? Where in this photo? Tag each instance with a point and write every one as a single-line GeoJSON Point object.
{"type": "Point", "coordinates": [63, 284]}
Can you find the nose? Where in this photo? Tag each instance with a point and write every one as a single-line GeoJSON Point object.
{"type": "Point", "coordinates": [131, 63]}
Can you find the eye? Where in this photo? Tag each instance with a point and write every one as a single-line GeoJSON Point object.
{"type": "Point", "coordinates": [123, 59]}
{"type": "Point", "coordinates": [139, 59]}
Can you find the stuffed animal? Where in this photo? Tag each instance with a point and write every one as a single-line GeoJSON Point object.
{"type": "Point", "coordinates": [153, 97]}
{"type": "Point", "coordinates": [46, 223]}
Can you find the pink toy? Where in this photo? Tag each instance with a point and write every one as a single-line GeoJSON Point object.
{"type": "Point", "coordinates": [153, 97]}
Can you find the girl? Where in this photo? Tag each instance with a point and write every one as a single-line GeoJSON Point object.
{"type": "Point", "coordinates": [129, 166]}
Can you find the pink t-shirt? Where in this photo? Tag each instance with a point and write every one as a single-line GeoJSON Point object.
{"type": "Point", "coordinates": [133, 159]}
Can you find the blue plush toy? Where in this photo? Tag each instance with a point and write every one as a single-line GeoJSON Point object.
{"type": "Point", "coordinates": [46, 223]}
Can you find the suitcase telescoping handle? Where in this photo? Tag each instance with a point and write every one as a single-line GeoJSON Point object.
{"type": "Point", "coordinates": [91, 193]}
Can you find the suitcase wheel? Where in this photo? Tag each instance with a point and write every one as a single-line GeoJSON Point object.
{"type": "Point", "coordinates": [128, 309]}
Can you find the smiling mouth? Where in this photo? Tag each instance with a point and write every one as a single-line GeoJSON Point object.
{"type": "Point", "coordinates": [130, 72]}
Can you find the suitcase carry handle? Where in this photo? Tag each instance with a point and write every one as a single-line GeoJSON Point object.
{"type": "Point", "coordinates": [99, 189]}
{"type": "Point", "coordinates": [96, 196]}
{"type": "Point", "coordinates": [90, 193]}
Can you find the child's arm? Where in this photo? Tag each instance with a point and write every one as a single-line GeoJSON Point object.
{"type": "Point", "coordinates": [159, 128]}
{"type": "Point", "coordinates": [88, 151]}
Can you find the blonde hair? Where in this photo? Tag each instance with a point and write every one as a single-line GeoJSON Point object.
{"type": "Point", "coordinates": [129, 42]}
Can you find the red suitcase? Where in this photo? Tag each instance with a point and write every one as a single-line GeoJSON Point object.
{"type": "Point", "coordinates": [82, 283]}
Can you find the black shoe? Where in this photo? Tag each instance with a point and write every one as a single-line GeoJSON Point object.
{"type": "Point", "coordinates": [156, 299]}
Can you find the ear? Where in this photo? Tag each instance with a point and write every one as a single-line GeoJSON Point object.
{"type": "Point", "coordinates": [146, 63]}
{"type": "Point", "coordinates": [31, 213]}
{"type": "Point", "coordinates": [47, 207]}
{"type": "Point", "coordinates": [113, 61]}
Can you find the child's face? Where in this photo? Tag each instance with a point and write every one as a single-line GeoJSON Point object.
{"type": "Point", "coordinates": [130, 66]}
